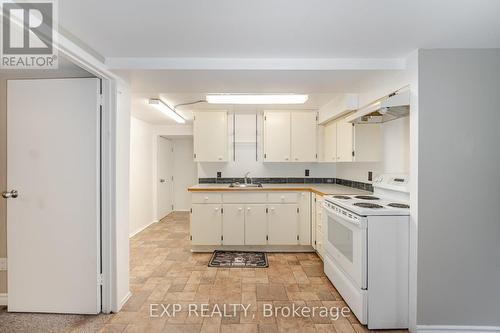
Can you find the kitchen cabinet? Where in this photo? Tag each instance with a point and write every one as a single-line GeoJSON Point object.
{"type": "Point", "coordinates": [277, 136]}
{"type": "Point", "coordinates": [255, 224]}
{"type": "Point", "coordinates": [305, 218]}
{"type": "Point", "coordinates": [317, 225]}
{"type": "Point", "coordinates": [303, 136]}
{"type": "Point", "coordinates": [290, 136]}
{"type": "Point", "coordinates": [233, 224]}
{"type": "Point", "coordinates": [345, 142]}
{"type": "Point", "coordinates": [210, 136]}
{"type": "Point", "coordinates": [330, 142]}
{"type": "Point", "coordinates": [345, 132]}
{"type": "Point", "coordinates": [206, 224]}
{"type": "Point", "coordinates": [283, 222]}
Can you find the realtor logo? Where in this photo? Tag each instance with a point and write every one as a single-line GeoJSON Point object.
{"type": "Point", "coordinates": [28, 34]}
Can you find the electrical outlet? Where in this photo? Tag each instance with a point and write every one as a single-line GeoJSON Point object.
{"type": "Point", "coordinates": [370, 176]}
{"type": "Point", "coordinates": [219, 174]}
{"type": "Point", "coordinates": [307, 172]}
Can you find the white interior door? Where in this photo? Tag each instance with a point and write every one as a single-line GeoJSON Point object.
{"type": "Point", "coordinates": [53, 226]}
{"type": "Point", "coordinates": [165, 175]}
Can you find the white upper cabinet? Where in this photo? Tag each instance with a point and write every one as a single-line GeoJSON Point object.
{"type": "Point", "coordinates": [277, 136]}
{"type": "Point", "coordinates": [303, 136]}
{"type": "Point", "coordinates": [330, 142]}
{"type": "Point", "coordinates": [210, 136]}
{"type": "Point", "coordinates": [345, 132]}
{"type": "Point", "coordinates": [345, 142]}
{"type": "Point", "coordinates": [290, 136]}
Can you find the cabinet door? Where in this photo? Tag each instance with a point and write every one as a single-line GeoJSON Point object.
{"type": "Point", "coordinates": [330, 142]}
{"type": "Point", "coordinates": [305, 218]}
{"type": "Point", "coordinates": [210, 136]}
{"type": "Point", "coordinates": [283, 223]}
{"type": "Point", "coordinates": [367, 139]}
{"type": "Point", "coordinates": [277, 136]}
{"type": "Point", "coordinates": [318, 221]}
{"type": "Point", "coordinates": [206, 224]}
{"type": "Point", "coordinates": [233, 224]}
{"type": "Point", "coordinates": [303, 136]}
{"type": "Point", "coordinates": [255, 224]}
{"type": "Point", "coordinates": [344, 141]}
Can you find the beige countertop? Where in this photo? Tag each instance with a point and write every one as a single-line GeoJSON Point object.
{"type": "Point", "coordinates": [321, 189]}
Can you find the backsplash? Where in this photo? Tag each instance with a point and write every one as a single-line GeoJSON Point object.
{"type": "Point", "coordinates": [338, 181]}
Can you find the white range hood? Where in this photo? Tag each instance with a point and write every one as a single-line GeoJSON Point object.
{"type": "Point", "coordinates": [393, 106]}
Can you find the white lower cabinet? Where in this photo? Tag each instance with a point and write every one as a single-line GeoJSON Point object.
{"type": "Point", "coordinates": [283, 224]}
{"type": "Point", "coordinates": [255, 224]}
{"type": "Point", "coordinates": [233, 224]}
{"type": "Point", "coordinates": [206, 224]}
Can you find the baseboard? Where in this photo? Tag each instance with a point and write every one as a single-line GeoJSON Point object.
{"type": "Point", "coordinates": [456, 329]}
{"type": "Point", "coordinates": [141, 229]}
{"type": "Point", "coordinates": [124, 300]}
{"type": "Point", "coordinates": [3, 299]}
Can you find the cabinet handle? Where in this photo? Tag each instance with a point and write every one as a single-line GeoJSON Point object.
{"type": "Point", "coordinates": [249, 209]}
{"type": "Point", "coordinates": [286, 158]}
{"type": "Point", "coordinates": [216, 209]}
{"type": "Point", "coordinates": [206, 198]}
{"type": "Point", "coordinates": [240, 209]}
{"type": "Point", "coordinates": [272, 209]}
{"type": "Point", "coordinates": [220, 158]}
{"type": "Point", "coordinates": [296, 158]}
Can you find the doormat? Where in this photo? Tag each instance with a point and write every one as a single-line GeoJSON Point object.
{"type": "Point", "coordinates": [238, 259]}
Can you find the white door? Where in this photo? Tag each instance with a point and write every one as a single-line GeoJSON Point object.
{"type": "Point", "coordinates": [303, 136]}
{"type": "Point", "coordinates": [344, 141]}
{"type": "Point", "coordinates": [283, 224]}
{"type": "Point", "coordinates": [233, 224]}
{"type": "Point", "coordinates": [53, 233]}
{"type": "Point", "coordinates": [330, 142]}
{"type": "Point", "coordinates": [165, 176]}
{"type": "Point", "coordinates": [206, 224]}
{"type": "Point", "coordinates": [277, 136]}
{"type": "Point", "coordinates": [255, 224]}
{"type": "Point", "coordinates": [210, 136]}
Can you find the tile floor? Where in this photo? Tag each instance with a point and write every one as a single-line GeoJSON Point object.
{"type": "Point", "coordinates": [164, 271]}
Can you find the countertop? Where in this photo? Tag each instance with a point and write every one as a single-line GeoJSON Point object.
{"type": "Point", "coordinates": [321, 189]}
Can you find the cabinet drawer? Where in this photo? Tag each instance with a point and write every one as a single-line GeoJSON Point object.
{"type": "Point", "coordinates": [283, 197]}
{"type": "Point", "coordinates": [206, 197]}
{"type": "Point", "coordinates": [246, 197]}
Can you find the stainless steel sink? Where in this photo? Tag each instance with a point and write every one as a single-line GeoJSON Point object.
{"type": "Point", "coordinates": [239, 185]}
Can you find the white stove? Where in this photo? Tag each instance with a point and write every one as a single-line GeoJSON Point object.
{"type": "Point", "coordinates": [390, 197]}
{"type": "Point", "coordinates": [366, 242]}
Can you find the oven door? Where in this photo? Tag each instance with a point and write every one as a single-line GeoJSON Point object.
{"type": "Point", "coordinates": [345, 241]}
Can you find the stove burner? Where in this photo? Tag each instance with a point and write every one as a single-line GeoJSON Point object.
{"type": "Point", "coordinates": [367, 205]}
{"type": "Point", "coordinates": [341, 197]}
{"type": "Point", "coordinates": [366, 197]}
{"type": "Point", "coordinates": [398, 205]}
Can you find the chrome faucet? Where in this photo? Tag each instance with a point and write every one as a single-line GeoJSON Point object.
{"type": "Point", "coordinates": [246, 178]}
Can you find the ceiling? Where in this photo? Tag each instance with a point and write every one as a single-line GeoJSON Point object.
{"type": "Point", "coordinates": [280, 28]}
{"type": "Point", "coordinates": [181, 50]}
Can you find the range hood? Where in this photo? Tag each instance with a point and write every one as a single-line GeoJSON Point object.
{"type": "Point", "coordinates": [393, 106]}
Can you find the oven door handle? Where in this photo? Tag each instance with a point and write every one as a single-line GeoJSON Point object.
{"type": "Point", "coordinates": [345, 220]}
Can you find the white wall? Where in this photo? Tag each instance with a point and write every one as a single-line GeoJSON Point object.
{"type": "Point", "coordinates": [185, 173]}
{"type": "Point", "coordinates": [459, 188]}
{"type": "Point", "coordinates": [142, 145]}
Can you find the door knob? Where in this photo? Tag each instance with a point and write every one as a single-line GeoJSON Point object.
{"type": "Point", "coordinates": [10, 194]}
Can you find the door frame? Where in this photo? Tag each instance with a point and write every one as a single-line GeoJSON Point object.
{"type": "Point", "coordinates": [110, 86]}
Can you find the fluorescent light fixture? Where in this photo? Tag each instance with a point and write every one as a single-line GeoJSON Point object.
{"type": "Point", "coordinates": [166, 110]}
{"type": "Point", "coordinates": [256, 99]}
